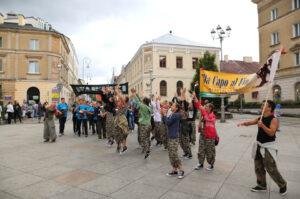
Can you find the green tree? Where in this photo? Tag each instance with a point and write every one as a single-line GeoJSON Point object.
{"type": "Point", "coordinates": [208, 62]}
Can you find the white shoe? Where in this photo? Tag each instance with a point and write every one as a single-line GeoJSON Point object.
{"type": "Point", "coordinates": [210, 167]}
{"type": "Point", "coordinates": [198, 166]}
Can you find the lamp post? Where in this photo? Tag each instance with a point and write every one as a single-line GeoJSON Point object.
{"type": "Point", "coordinates": [59, 85]}
{"type": "Point", "coordinates": [85, 63]}
{"type": "Point", "coordinates": [221, 35]}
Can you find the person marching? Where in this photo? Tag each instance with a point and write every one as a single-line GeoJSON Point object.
{"type": "Point", "coordinates": [82, 118]}
{"type": "Point", "coordinates": [207, 135]}
{"type": "Point", "coordinates": [183, 127]}
{"type": "Point", "coordinates": [74, 117]}
{"type": "Point", "coordinates": [265, 149]}
{"type": "Point", "coordinates": [144, 122]}
{"type": "Point", "coordinates": [62, 109]}
{"type": "Point", "coordinates": [94, 117]}
{"type": "Point", "coordinates": [121, 123]}
{"type": "Point", "coordinates": [110, 110]}
{"type": "Point", "coordinates": [173, 139]}
{"type": "Point", "coordinates": [49, 125]}
{"type": "Point", "coordinates": [164, 127]}
{"type": "Point", "coordinates": [101, 130]}
{"type": "Point", "coordinates": [157, 121]}
{"type": "Point", "coordinates": [192, 111]}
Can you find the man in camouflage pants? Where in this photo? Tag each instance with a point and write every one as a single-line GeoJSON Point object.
{"type": "Point", "coordinates": [206, 149]}
{"type": "Point", "coordinates": [164, 135]}
{"type": "Point", "coordinates": [172, 150]}
{"type": "Point", "coordinates": [184, 138]}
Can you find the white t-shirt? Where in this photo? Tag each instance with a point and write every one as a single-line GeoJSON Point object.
{"type": "Point", "coordinates": [9, 108]}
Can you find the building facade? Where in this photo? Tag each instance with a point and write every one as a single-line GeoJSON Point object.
{"type": "Point", "coordinates": [164, 65]}
{"type": "Point", "coordinates": [34, 59]}
{"type": "Point", "coordinates": [279, 26]}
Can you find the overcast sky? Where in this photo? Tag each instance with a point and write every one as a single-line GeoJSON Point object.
{"type": "Point", "coordinates": [110, 32]}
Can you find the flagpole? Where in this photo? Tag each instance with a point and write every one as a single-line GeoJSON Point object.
{"type": "Point", "coordinates": [262, 113]}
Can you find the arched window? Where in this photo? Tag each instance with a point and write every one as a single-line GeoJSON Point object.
{"type": "Point", "coordinates": [33, 94]}
{"type": "Point", "coordinates": [163, 88]}
{"type": "Point", "coordinates": [297, 91]}
{"type": "Point", "coordinates": [276, 93]}
{"type": "Point", "coordinates": [179, 86]}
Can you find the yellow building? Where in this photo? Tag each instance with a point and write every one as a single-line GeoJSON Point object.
{"type": "Point", "coordinates": [279, 26]}
{"type": "Point", "coordinates": [168, 62]}
{"type": "Point", "coordinates": [34, 58]}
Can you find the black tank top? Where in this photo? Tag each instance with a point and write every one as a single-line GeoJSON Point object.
{"type": "Point", "coordinates": [262, 136]}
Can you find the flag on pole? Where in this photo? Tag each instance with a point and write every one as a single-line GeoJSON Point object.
{"type": "Point", "coordinates": [196, 84]}
{"type": "Point", "coordinates": [98, 97]}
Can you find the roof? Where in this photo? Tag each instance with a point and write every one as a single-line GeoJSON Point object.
{"type": "Point", "coordinates": [26, 27]}
{"type": "Point", "coordinates": [240, 67]}
{"type": "Point", "coordinates": [171, 39]}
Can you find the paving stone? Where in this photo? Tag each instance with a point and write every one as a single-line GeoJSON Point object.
{"type": "Point", "coordinates": [18, 182]}
{"type": "Point", "coordinates": [75, 193]}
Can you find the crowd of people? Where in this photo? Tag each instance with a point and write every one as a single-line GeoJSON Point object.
{"type": "Point", "coordinates": [170, 123]}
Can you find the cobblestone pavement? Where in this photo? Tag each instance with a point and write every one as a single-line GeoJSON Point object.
{"type": "Point", "coordinates": [82, 167]}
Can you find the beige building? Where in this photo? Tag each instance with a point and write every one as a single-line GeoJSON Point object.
{"type": "Point", "coordinates": [34, 58]}
{"type": "Point", "coordinates": [279, 26]}
{"type": "Point", "coordinates": [168, 61]}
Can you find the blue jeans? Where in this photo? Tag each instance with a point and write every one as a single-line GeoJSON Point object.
{"type": "Point", "coordinates": [131, 122]}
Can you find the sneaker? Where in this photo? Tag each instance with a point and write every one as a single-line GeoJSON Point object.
{"type": "Point", "coordinates": [60, 134]}
{"type": "Point", "coordinates": [108, 143]}
{"type": "Point", "coordinates": [283, 191]}
{"type": "Point", "coordinates": [173, 173]}
{"type": "Point", "coordinates": [183, 155]}
{"type": "Point", "coordinates": [123, 150]}
{"type": "Point", "coordinates": [147, 155]}
{"type": "Point", "coordinates": [259, 189]}
{"type": "Point", "coordinates": [152, 138]}
{"type": "Point", "coordinates": [157, 144]}
{"type": "Point", "coordinates": [187, 157]}
{"type": "Point", "coordinates": [210, 167]}
{"type": "Point", "coordinates": [198, 166]}
{"type": "Point", "coordinates": [180, 174]}
{"type": "Point", "coordinates": [165, 148]}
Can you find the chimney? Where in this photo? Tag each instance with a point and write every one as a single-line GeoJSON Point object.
{"type": "Point", "coordinates": [21, 19]}
{"type": "Point", "coordinates": [1, 18]}
{"type": "Point", "coordinates": [226, 58]}
{"type": "Point", "coordinates": [247, 59]}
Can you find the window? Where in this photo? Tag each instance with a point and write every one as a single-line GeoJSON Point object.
{"type": "Point", "coordinates": [1, 66]}
{"type": "Point", "coordinates": [195, 63]}
{"type": "Point", "coordinates": [296, 29]}
{"type": "Point", "coordinates": [162, 61]}
{"type": "Point", "coordinates": [179, 62]}
{"type": "Point", "coordinates": [34, 44]}
{"type": "Point", "coordinates": [275, 38]}
{"type": "Point", "coordinates": [276, 93]}
{"type": "Point", "coordinates": [296, 4]}
{"type": "Point", "coordinates": [297, 58]}
{"type": "Point", "coordinates": [33, 67]}
{"type": "Point", "coordinates": [297, 91]}
{"type": "Point", "coordinates": [179, 86]}
{"type": "Point", "coordinates": [273, 14]}
{"type": "Point", "coordinates": [0, 42]}
{"type": "Point", "coordinates": [254, 94]}
{"type": "Point", "coordinates": [163, 88]}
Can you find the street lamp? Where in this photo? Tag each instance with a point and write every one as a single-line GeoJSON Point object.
{"type": "Point", "coordinates": [221, 34]}
{"type": "Point", "coordinates": [59, 85]}
{"type": "Point", "coordinates": [85, 63]}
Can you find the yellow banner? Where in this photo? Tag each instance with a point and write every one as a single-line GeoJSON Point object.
{"type": "Point", "coordinates": [226, 83]}
{"type": "Point", "coordinates": [55, 95]}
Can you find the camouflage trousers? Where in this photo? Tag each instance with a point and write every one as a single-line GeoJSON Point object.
{"type": "Point", "coordinates": [119, 135]}
{"type": "Point", "coordinates": [164, 134]}
{"type": "Point", "coordinates": [139, 134]}
{"type": "Point", "coordinates": [172, 150]}
{"type": "Point", "coordinates": [193, 133]}
{"type": "Point", "coordinates": [184, 140]}
{"type": "Point", "coordinates": [206, 149]}
{"type": "Point", "coordinates": [158, 131]}
{"type": "Point", "coordinates": [267, 164]}
{"type": "Point", "coordinates": [110, 127]}
{"type": "Point", "coordinates": [145, 137]}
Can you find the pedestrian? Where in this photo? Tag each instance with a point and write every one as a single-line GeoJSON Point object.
{"type": "Point", "coordinates": [101, 130]}
{"type": "Point", "coordinates": [173, 139]}
{"type": "Point", "coordinates": [144, 122]}
{"type": "Point", "coordinates": [24, 108]}
{"type": "Point", "coordinates": [184, 137]}
{"type": "Point", "coordinates": [130, 115]}
{"type": "Point", "coordinates": [110, 110]}
{"type": "Point", "coordinates": [192, 115]}
{"type": "Point", "coordinates": [10, 112]}
{"type": "Point", "coordinates": [157, 121]}
{"type": "Point", "coordinates": [40, 112]}
{"type": "Point", "coordinates": [17, 112]}
{"type": "Point", "coordinates": [207, 135]}
{"type": "Point", "coordinates": [93, 115]}
{"type": "Point", "coordinates": [0, 113]}
{"type": "Point", "coordinates": [121, 123]}
{"type": "Point", "coordinates": [62, 109]}
{"type": "Point", "coordinates": [74, 117]}
{"type": "Point", "coordinates": [164, 127]}
{"type": "Point", "coordinates": [265, 149]}
{"type": "Point", "coordinates": [82, 117]}
{"type": "Point", "coordinates": [277, 115]}
{"type": "Point", "coordinates": [49, 125]}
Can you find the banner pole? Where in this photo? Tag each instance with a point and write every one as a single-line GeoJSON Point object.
{"type": "Point", "coordinates": [262, 113]}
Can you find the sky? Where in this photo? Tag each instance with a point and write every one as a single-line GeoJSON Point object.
{"type": "Point", "coordinates": [109, 32]}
